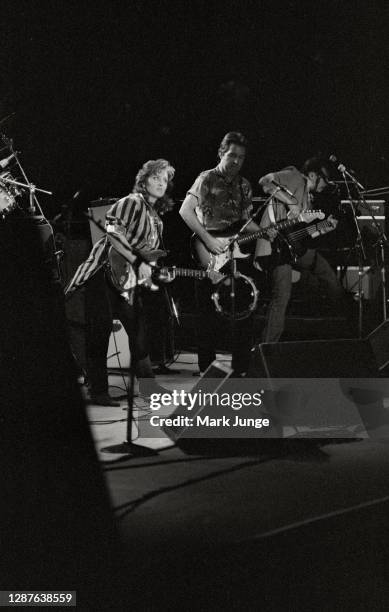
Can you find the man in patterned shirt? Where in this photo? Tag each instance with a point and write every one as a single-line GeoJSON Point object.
{"type": "Point", "coordinates": [218, 199]}
{"type": "Point", "coordinates": [133, 228]}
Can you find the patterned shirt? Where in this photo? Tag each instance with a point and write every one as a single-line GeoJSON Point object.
{"type": "Point", "coordinates": [221, 202]}
{"type": "Point", "coordinates": [132, 224]}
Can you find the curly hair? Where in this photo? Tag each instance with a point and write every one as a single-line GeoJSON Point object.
{"type": "Point", "coordinates": [230, 138]}
{"type": "Point", "coordinates": [155, 166]}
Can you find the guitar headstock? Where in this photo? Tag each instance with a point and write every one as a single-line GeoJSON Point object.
{"type": "Point", "coordinates": [306, 216]}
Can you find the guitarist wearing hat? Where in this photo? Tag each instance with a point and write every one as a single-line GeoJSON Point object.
{"type": "Point", "coordinates": [294, 192]}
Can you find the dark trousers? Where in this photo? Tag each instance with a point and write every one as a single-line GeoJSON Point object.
{"type": "Point", "coordinates": [160, 325]}
{"type": "Point", "coordinates": [102, 305]}
{"type": "Point", "coordinates": [207, 332]}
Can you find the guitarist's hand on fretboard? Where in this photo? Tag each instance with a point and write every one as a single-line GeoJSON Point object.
{"type": "Point", "coordinates": [331, 225]}
{"type": "Point", "coordinates": [144, 275]}
{"type": "Point", "coordinates": [272, 234]}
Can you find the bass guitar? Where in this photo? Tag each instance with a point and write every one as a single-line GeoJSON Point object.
{"type": "Point", "coordinates": [215, 263]}
{"type": "Point", "coordinates": [123, 277]}
{"type": "Point", "coordinates": [295, 239]}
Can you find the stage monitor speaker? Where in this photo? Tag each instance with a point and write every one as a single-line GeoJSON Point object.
{"type": "Point", "coordinates": [379, 342]}
{"type": "Point", "coordinates": [314, 359]}
{"type": "Point", "coordinates": [211, 381]}
{"type": "Point", "coordinates": [222, 441]}
{"type": "Point", "coordinates": [341, 396]}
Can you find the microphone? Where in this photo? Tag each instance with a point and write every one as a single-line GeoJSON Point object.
{"type": "Point", "coordinates": [4, 162]}
{"type": "Point", "coordinates": [285, 189]}
{"type": "Point", "coordinates": [342, 168]}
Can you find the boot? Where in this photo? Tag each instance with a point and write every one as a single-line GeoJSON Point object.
{"type": "Point", "coordinates": [144, 368]}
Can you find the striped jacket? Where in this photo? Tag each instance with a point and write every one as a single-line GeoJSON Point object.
{"type": "Point", "coordinates": [132, 225]}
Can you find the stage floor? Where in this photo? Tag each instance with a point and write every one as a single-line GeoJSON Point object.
{"type": "Point", "coordinates": [297, 525]}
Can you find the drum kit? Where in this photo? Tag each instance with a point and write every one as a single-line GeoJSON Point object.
{"type": "Point", "coordinates": [12, 189]}
{"type": "Point", "coordinates": [8, 194]}
{"type": "Point", "coordinates": [15, 211]}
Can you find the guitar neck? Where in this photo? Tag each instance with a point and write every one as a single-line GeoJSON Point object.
{"type": "Point", "coordinates": [187, 272]}
{"type": "Point", "coordinates": [262, 232]}
{"type": "Point", "coordinates": [310, 229]}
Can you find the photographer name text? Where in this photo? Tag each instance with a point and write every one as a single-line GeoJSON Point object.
{"type": "Point", "coordinates": [207, 421]}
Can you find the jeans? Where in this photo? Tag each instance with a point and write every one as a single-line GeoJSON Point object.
{"type": "Point", "coordinates": [311, 262]}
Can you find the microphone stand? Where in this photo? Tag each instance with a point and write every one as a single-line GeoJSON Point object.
{"type": "Point", "coordinates": [234, 274]}
{"type": "Point", "coordinates": [382, 240]}
{"type": "Point", "coordinates": [361, 254]}
{"type": "Point", "coordinates": [32, 189]}
{"type": "Point", "coordinates": [127, 447]}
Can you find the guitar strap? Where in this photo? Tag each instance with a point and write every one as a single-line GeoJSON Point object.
{"type": "Point", "coordinates": [171, 306]}
{"type": "Point", "coordinates": [242, 198]}
{"type": "Point", "coordinates": [270, 210]}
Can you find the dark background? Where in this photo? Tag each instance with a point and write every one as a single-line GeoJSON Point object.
{"type": "Point", "coordinates": [97, 89]}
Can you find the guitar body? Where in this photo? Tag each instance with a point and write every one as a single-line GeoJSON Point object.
{"type": "Point", "coordinates": [286, 249]}
{"type": "Point", "coordinates": [122, 274]}
{"type": "Point", "coordinates": [215, 263]}
{"type": "Point", "coordinates": [123, 277]}
{"type": "Point", "coordinates": [295, 242]}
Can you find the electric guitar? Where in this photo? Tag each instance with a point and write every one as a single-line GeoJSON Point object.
{"type": "Point", "coordinates": [215, 263]}
{"type": "Point", "coordinates": [123, 277]}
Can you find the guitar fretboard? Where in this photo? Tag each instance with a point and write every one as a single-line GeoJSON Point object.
{"type": "Point", "coordinates": [310, 230]}
{"type": "Point", "coordinates": [278, 226]}
{"type": "Point", "coordinates": [187, 272]}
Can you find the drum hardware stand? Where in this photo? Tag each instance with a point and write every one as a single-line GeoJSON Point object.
{"type": "Point", "coordinates": [32, 188]}
{"type": "Point", "coordinates": [359, 246]}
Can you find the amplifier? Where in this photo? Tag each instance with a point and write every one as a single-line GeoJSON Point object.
{"type": "Point", "coordinates": [376, 207]}
{"type": "Point", "coordinates": [371, 280]}
{"type": "Point", "coordinates": [118, 355]}
{"type": "Point", "coordinates": [97, 211]}
{"type": "Point", "coordinates": [97, 218]}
